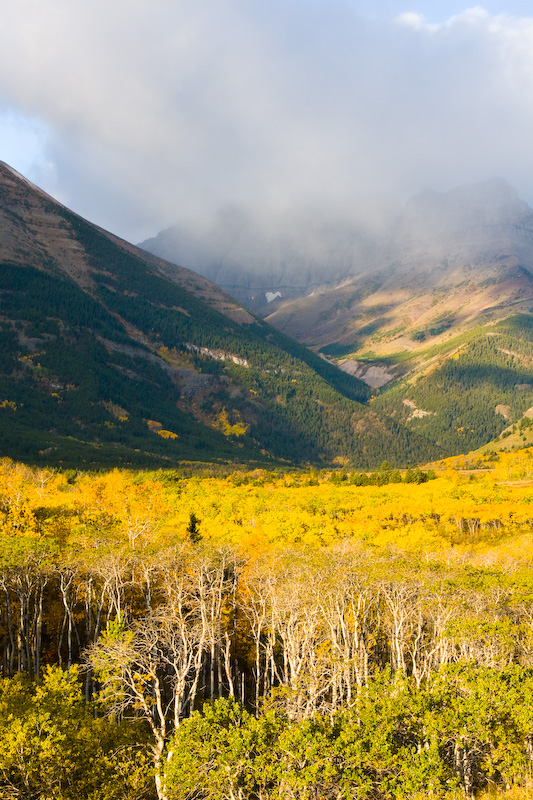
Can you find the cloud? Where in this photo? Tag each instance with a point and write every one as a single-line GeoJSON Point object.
{"type": "Point", "coordinates": [165, 110]}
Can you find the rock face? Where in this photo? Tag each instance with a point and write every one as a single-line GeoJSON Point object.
{"type": "Point", "coordinates": [373, 375]}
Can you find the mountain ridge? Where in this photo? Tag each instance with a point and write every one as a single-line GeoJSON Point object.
{"type": "Point", "coordinates": [111, 356]}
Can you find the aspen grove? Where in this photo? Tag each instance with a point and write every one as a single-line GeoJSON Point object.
{"type": "Point", "coordinates": [266, 635]}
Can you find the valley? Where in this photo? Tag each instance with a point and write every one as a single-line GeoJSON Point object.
{"type": "Point", "coordinates": [112, 356]}
{"type": "Point", "coordinates": [90, 324]}
{"type": "Point", "coordinates": [239, 564]}
{"type": "Point", "coordinates": [266, 400]}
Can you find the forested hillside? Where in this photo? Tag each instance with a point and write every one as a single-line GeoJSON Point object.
{"type": "Point", "coordinates": [465, 393]}
{"type": "Point", "coordinates": [106, 360]}
{"type": "Point", "coordinates": [111, 357]}
{"type": "Point", "coordinates": [353, 635]}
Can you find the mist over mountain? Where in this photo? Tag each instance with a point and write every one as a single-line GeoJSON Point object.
{"type": "Point", "coordinates": [449, 261]}
{"type": "Point", "coordinates": [434, 235]}
{"type": "Point", "coordinates": [259, 262]}
{"type": "Point", "coordinates": [477, 221]}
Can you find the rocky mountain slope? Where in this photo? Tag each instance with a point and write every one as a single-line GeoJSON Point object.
{"type": "Point", "coordinates": [109, 355]}
{"type": "Point", "coordinates": [452, 261]}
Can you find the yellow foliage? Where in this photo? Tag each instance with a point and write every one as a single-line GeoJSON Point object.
{"type": "Point", "coordinates": [223, 424]}
{"type": "Point", "coordinates": [483, 522]}
{"type": "Point", "coordinates": [153, 425]}
{"type": "Point", "coordinates": [167, 434]}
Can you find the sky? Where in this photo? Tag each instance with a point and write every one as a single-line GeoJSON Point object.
{"type": "Point", "coordinates": [141, 113]}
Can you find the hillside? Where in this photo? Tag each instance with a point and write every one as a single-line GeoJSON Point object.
{"type": "Point", "coordinates": [449, 262]}
{"type": "Point", "coordinates": [466, 391]}
{"type": "Point", "coordinates": [112, 356]}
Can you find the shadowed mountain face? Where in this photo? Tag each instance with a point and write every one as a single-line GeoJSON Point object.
{"type": "Point", "coordinates": [109, 355]}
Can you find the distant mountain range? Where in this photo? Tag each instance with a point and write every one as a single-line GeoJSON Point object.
{"type": "Point", "coordinates": [432, 309]}
{"type": "Point", "coordinates": [112, 356]}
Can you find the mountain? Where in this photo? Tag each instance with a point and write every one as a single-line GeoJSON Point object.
{"type": "Point", "coordinates": [310, 255]}
{"type": "Point", "coordinates": [432, 310]}
{"type": "Point", "coordinates": [109, 355]}
{"type": "Point", "coordinates": [450, 262]}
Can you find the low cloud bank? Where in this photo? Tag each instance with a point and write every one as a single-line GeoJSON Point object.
{"type": "Point", "coordinates": [151, 113]}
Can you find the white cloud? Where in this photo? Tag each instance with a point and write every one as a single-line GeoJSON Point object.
{"type": "Point", "coordinates": [411, 19]}
{"type": "Point", "coordinates": [158, 110]}
{"type": "Point", "coordinates": [470, 16]}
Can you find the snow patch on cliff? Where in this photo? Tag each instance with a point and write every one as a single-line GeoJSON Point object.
{"type": "Point", "coordinates": [270, 296]}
